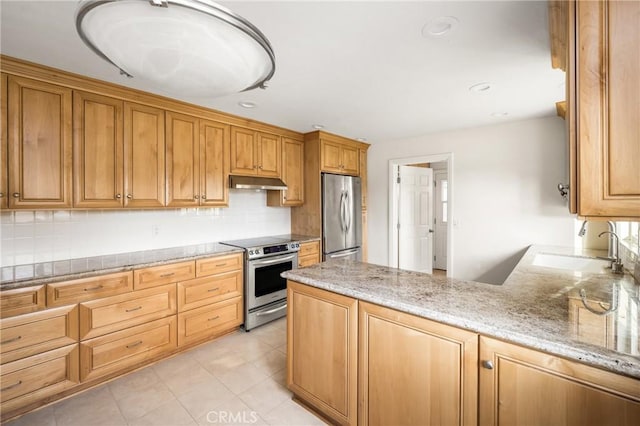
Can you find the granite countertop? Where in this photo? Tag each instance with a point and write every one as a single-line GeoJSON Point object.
{"type": "Point", "coordinates": [534, 307]}
{"type": "Point", "coordinates": [48, 272]}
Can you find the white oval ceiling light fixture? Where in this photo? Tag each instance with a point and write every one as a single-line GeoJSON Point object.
{"type": "Point", "coordinates": [317, 126]}
{"type": "Point", "coordinates": [480, 87]}
{"type": "Point", "coordinates": [499, 114]}
{"type": "Point", "coordinates": [247, 104]}
{"type": "Point", "coordinates": [193, 48]}
{"type": "Point", "coordinates": [440, 26]}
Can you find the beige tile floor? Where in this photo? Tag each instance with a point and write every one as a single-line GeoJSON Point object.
{"type": "Point", "coordinates": [237, 379]}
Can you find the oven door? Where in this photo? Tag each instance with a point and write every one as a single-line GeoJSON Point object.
{"type": "Point", "coordinates": [264, 283]}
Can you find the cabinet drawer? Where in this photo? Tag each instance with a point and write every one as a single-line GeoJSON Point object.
{"type": "Point", "coordinates": [31, 334]}
{"type": "Point", "coordinates": [219, 264]}
{"type": "Point", "coordinates": [34, 378]}
{"type": "Point", "coordinates": [68, 292]}
{"type": "Point", "coordinates": [307, 260]}
{"type": "Point", "coordinates": [207, 290]}
{"type": "Point", "coordinates": [165, 274]}
{"type": "Point", "coordinates": [115, 313]}
{"type": "Point", "coordinates": [127, 348]}
{"type": "Point", "coordinates": [207, 321]}
{"type": "Point", "coordinates": [310, 248]}
{"type": "Point", "coordinates": [21, 301]}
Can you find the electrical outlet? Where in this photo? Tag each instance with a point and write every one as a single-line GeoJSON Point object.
{"type": "Point", "coordinates": [155, 230]}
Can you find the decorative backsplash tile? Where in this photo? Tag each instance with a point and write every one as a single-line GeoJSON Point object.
{"type": "Point", "coordinates": [52, 238]}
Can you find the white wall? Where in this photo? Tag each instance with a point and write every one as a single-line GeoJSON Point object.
{"type": "Point", "coordinates": [505, 195]}
{"type": "Point", "coordinates": [45, 236]}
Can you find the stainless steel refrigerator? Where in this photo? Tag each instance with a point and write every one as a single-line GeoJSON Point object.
{"type": "Point", "coordinates": [341, 217]}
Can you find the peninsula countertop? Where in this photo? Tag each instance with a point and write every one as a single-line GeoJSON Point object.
{"type": "Point", "coordinates": [533, 307]}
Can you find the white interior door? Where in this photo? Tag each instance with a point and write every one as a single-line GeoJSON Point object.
{"type": "Point", "coordinates": [440, 219]}
{"type": "Point", "coordinates": [415, 219]}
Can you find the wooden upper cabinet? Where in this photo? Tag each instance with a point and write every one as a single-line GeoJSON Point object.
{"type": "Point", "coordinates": [522, 386]}
{"type": "Point", "coordinates": [255, 153]}
{"type": "Point", "coordinates": [197, 161]}
{"type": "Point", "coordinates": [269, 154]}
{"type": "Point", "coordinates": [183, 160]}
{"type": "Point", "coordinates": [214, 163]}
{"type": "Point", "coordinates": [39, 144]}
{"type": "Point", "coordinates": [98, 169]}
{"type": "Point", "coordinates": [340, 158]}
{"type": "Point", "coordinates": [4, 188]}
{"type": "Point", "coordinates": [144, 146]}
{"type": "Point", "coordinates": [607, 91]}
{"type": "Point", "coordinates": [292, 175]}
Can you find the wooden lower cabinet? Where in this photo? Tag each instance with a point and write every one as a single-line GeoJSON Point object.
{"type": "Point", "coordinates": [414, 371]}
{"type": "Point", "coordinates": [523, 386]}
{"type": "Point", "coordinates": [163, 274]}
{"type": "Point", "coordinates": [37, 377]}
{"type": "Point", "coordinates": [74, 291]}
{"type": "Point", "coordinates": [208, 321]}
{"type": "Point", "coordinates": [21, 301]}
{"type": "Point", "coordinates": [115, 313]}
{"type": "Point", "coordinates": [207, 290]}
{"type": "Point", "coordinates": [38, 332]}
{"type": "Point", "coordinates": [309, 254]}
{"type": "Point", "coordinates": [322, 351]}
{"type": "Point", "coordinates": [128, 348]}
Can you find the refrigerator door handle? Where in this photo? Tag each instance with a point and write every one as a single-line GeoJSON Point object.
{"type": "Point", "coordinates": [347, 211]}
{"type": "Point", "coordinates": [343, 211]}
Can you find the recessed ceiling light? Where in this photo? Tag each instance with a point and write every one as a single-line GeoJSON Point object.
{"type": "Point", "coordinates": [480, 87]}
{"type": "Point", "coordinates": [499, 114]}
{"type": "Point", "coordinates": [247, 104]}
{"type": "Point", "coordinates": [317, 126]}
{"type": "Point", "coordinates": [440, 26]}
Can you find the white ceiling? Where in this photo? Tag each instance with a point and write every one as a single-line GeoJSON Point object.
{"type": "Point", "coordinates": [362, 68]}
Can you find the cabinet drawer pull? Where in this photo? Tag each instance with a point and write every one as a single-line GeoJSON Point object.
{"type": "Point", "coordinates": [214, 318]}
{"type": "Point", "coordinates": [11, 386]}
{"type": "Point", "coordinates": [4, 342]}
{"type": "Point", "coordinates": [220, 265]}
{"type": "Point", "coordinates": [487, 364]}
{"type": "Point", "coordinates": [133, 309]}
{"type": "Point", "coordinates": [213, 289]}
{"type": "Point", "coordinates": [167, 275]}
{"type": "Point", "coordinates": [133, 345]}
{"type": "Point", "coordinates": [93, 288]}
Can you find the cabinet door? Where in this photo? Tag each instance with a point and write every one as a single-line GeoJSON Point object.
{"type": "Point", "coordinates": [523, 386]}
{"type": "Point", "coordinates": [22, 301]}
{"type": "Point", "coordinates": [292, 175]}
{"type": "Point", "coordinates": [4, 188]}
{"type": "Point", "coordinates": [414, 371]}
{"type": "Point", "coordinates": [214, 163]}
{"type": "Point", "coordinates": [98, 169]}
{"type": "Point", "coordinates": [350, 160]}
{"type": "Point", "coordinates": [269, 154]}
{"type": "Point", "coordinates": [243, 155]}
{"type": "Point", "coordinates": [322, 350]}
{"type": "Point", "coordinates": [183, 160]}
{"type": "Point", "coordinates": [608, 109]}
{"type": "Point", "coordinates": [39, 139]}
{"type": "Point", "coordinates": [144, 156]}
{"type": "Point", "coordinates": [331, 157]}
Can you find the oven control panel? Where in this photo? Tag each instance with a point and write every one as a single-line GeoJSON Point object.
{"type": "Point", "coordinates": [257, 252]}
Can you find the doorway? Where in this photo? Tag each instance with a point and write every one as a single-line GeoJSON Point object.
{"type": "Point", "coordinates": [420, 221]}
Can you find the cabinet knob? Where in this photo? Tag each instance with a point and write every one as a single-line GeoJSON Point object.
{"type": "Point", "coordinates": [487, 364]}
{"type": "Point", "coordinates": [1, 194]}
{"type": "Point", "coordinates": [196, 197]}
{"type": "Point", "coordinates": [255, 167]}
{"type": "Point", "coordinates": [118, 196]}
{"type": "Point", "coordinates": [129, 196]}
{"type": "Point", "coordinates": [16, 195]}
{"type": "Point", "coordinates": [203, 197]}
{"type": "Point", "coordinates": [260, 167]}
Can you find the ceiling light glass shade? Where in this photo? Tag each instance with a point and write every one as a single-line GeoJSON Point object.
{"type": "Point", "coordinates": [192, 48]}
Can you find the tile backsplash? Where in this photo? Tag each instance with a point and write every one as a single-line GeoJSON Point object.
{"type": "Point", "coordinates": [28, 237]}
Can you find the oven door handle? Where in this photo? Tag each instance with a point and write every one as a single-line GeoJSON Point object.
{"type": "Point", "coordinates": [270, 261]}
{"type": "Point", "coordinates": [272, 311]}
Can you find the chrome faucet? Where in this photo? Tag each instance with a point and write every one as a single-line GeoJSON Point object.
{"type": "Point", "coordinates": [616, 262]}
{"type": "Point", "coordinates": [612, 250]}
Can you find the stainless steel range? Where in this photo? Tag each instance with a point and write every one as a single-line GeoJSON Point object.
{"type": "Point", "coordinates": [265, 291]}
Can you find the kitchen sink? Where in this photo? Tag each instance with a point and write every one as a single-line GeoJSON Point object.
{"type": "Point", "coordinates": [571, 263]}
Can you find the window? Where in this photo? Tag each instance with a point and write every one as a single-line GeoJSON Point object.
{"type": "Point", "coordinates": [629, 234]}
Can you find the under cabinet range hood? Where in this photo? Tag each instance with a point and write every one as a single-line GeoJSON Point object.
{"type": "Point", "coordinates": [254, 182]}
